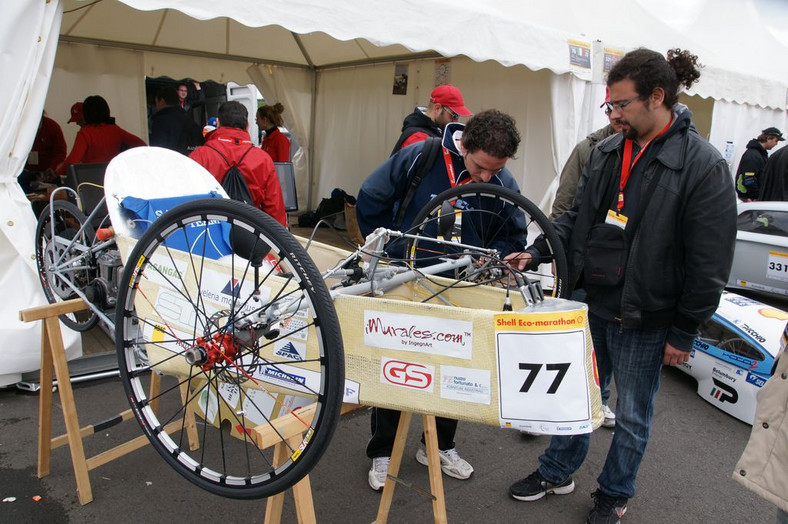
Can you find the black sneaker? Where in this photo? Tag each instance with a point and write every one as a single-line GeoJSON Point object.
{"type": "Point", "coordinates": [534, 487]}
{"type": "Point", "coordinates": [607, 509]}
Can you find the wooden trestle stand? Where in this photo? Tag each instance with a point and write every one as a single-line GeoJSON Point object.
{"type": "Point", "coordinates": [53, 354]}
{"type": "Point", "coordinates": [53, 358]}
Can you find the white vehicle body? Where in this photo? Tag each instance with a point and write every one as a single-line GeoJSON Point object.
{"type": "Point", "coordinates": [735, 353]}
{"type": "Point", "coordinates": [760, 261]}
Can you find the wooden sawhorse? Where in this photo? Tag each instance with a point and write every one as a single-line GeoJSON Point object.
{"type": "Point", "coordinates": [434, 468]}
{"type": "Point", "coordinates": [53, 354]}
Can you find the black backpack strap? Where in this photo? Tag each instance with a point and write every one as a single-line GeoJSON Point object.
{"type": "Point", "coordinates": [220, 154]}
{"type": "Point", "coordinates": [410, 132]}
{"type": "Point", "coordinates": [225, 158]}
{"type": "Point", "coordinates": [429, 152]}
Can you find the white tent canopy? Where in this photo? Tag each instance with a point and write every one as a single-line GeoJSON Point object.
{"type": "Point", "coordinates": [332, 64]}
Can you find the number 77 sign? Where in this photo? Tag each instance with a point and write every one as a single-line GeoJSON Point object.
{"type": "Point", "coordinates": [543, 383]}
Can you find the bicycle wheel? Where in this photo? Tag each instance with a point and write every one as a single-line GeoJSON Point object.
{"type": "Point", "coordinates": [64, 260]}
{"type": "Point", "coordinates": [224, 325]}
{"type": "Point", "coordinates": [490, 217]}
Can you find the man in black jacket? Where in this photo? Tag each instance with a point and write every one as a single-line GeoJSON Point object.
{"type": "Point", "coordinates": [748, 174]}
{"type": "Point", "coordinates": [446, 105]}
{"type": "Point", "coordinates": [663, 197]}
{"type": "Point", "coordinates": [170, 127]}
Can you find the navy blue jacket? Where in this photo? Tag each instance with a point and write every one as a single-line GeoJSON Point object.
{"type": "Point", "coordinates": [382, 192]}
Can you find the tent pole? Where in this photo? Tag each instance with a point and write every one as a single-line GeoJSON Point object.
{"type": "Point", "coordinates": [311, 148]}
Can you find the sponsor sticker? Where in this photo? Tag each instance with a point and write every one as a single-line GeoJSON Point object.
{"type": "Point", "coordinates": [465, 384]}
{"type": "Point", "coordinates": [419, 334]}
{"type": "Point", "coordinates": [412, 375]}
{"type": "Point", "coordinates": [290, 349]}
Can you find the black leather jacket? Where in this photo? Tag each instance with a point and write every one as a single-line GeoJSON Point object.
{"type": "Point", "coordinates": [682, 251]}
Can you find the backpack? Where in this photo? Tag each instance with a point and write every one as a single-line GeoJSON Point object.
{"type": "Point", "coordinates": [429, 152]}
{"type": "Point", "coordinates": [234, 182]}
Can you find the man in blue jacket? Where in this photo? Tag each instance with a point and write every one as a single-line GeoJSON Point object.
{"type": "Point", "coordinates": [652, 231]}
{"type": "Point", "coordinates": [475, 152]}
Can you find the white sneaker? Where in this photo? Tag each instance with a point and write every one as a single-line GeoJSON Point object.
{"type": "Point", "coordinates": [610, 417]}
{"type": "Point", "coordinates": [378, 472]}
{"type": "Point", "coordinates": [451, 463]}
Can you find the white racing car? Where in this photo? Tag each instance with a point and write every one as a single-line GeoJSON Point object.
{"type": "Point", "coordinates": [736, 352]}
{"type": "Point", "coordinates": [760, 261]}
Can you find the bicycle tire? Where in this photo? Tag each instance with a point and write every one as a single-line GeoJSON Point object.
{"type": "Point", "coordinates": [236, 388]}
{"type": "Point", "coordinates": [55, 265]}
{"type": "Point", "coordinates": [484, 216]}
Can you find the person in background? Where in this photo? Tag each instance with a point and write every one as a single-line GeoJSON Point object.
{"type": "Point", "coordinates": [100, 139]}
{"type": "Point", "coordinates": [748, 174]}
{"type": "Point", "coordinates": [76, 115]}
{"type": "Point", "coordinates": [276, 144]}
{"type": "Point", "coordinates": [476, 152]}
{"type": "Point", "coordinates": [48, 151]}
{"type": "Point", "coordinates": [231, 145]}
{"type": "Point", "coordinates": [650, 283]}
{"type": "Point", "coordinates": [185, 102]}
{"type": "Point", "coordinates": [775, 177]}
{"type": "Point", "coordinates": [446, 105]}
{"type": "Point", "coordinates": [170, 127]}
{"type": "Point", "coordinates": [564, 196]}
{"type": "Point", "coordinates": [762, 466]}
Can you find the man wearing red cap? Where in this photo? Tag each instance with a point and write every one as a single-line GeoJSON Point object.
{"type": "Point", "coordinates": [446, 105]}
{"type": "Point", "coordinates": [76, 115]}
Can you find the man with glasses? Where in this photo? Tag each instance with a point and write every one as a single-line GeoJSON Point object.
{"type": "Point", "coordinates": [652, 231]}
{"type": "Point", "coordinates": [564, 196]}
{"type": "Point", "coordinates": [446, 106]}
{"type": "Point", "coordinates": [476, 152]}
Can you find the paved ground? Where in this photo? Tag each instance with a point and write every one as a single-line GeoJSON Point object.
{"type": "Point", "coordinates": [685, 476]}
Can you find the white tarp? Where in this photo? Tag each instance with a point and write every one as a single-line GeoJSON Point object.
{"type": "Point", "coordinates": [28, 37]}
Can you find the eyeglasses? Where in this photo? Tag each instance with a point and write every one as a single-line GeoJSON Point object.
{"type": "Point", "coordinates": [454, 116]}
{"type": "Point", "coordinates": [610, 106]}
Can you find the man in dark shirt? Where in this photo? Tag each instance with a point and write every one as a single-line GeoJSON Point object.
{"type": "Point", "coordinates": [170, 127]}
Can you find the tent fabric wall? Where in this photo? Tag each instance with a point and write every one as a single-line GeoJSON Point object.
{"type": "Point", "coordinates": [294, 89]}
{"type": "Point", "coordinates": [362, 97]}
{"type": "Point", "coordinates": [28, 34]}
{"type": "Point", "coordinates": [739, 123]}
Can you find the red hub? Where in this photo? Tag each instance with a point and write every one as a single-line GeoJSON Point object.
{"type": "Point", "coordinates": [219, 349]}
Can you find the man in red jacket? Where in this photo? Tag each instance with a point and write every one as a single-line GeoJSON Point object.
{"type": "Point", "coordinates": [230, 145]}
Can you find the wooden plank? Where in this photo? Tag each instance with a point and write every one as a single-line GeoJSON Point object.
{"type": "Point", "coordinates": [52, 310]}
{"type": "Point", "coordinates": [434, 464]}
{"type": "Point", "coordinates": [84, 492]}
{"type": "Point", "coordinates": [275, 503]}
{"type": "Point", "coordinates": [62, 440]}
{"type": "Point", "coordinates": [302, 493]}
{"type": "Point", "coordinates": [45, 406]}
{"type": "Point", "coordinates": [396, 460]}
{"type": "Point", "coordinates": [287, 426]}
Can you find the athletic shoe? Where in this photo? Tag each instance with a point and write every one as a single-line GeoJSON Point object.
{"type": "Point", "coordinates": [607, 509]}
{"type": "Point", "coordinates": [610, 417]}
{"type": "Point", "coordinates": [451, 463]}
{"type": "Point", "coordinates": [378, 472]}
{"type": "Point", "coordinates": [534, 486]}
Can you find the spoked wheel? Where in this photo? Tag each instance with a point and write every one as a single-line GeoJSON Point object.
{"type": "Point", "coordinates": [64, 260]}
{"type": "Point", "coordinates": [491, 217]}
{"type": "Point", "coordinates": [224, 325]}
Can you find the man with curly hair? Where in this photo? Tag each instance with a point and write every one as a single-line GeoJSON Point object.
{"type": "Point", "coordinates": [475, 152]}
{"type": "Point", "coordinates": [651, 231]}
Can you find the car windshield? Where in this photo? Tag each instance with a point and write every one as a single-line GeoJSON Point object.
{"type": "Point", "coordinates": [764, 222]}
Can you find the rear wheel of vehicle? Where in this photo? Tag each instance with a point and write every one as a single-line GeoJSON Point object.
{"type": "Point", "coordinates": [490, 217]}
{"type": "Point", "coordinates": [65, 263]}
{"type": "Point", "coordinates": [224, 325]}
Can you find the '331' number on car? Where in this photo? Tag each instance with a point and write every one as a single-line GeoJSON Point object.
{"type": "Point", "coordinates": [533, 370]}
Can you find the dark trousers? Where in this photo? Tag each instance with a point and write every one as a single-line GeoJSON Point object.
{"type": "Point", "coordinates": [384, 428]}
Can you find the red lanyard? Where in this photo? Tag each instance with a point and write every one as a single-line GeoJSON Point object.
{"type": "Point", "coordinates": [450, 169]}
{"type": "Point", "coordinates": [626, 165]}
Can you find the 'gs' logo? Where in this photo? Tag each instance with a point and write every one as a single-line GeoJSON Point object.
{"type": "Point", "coordinates": [408, 374]}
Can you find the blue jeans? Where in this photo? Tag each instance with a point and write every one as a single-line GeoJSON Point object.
{"type": "Point", "coordinates": [579, 295]}
{"type": "Point", "coordinates": [635, 358]}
